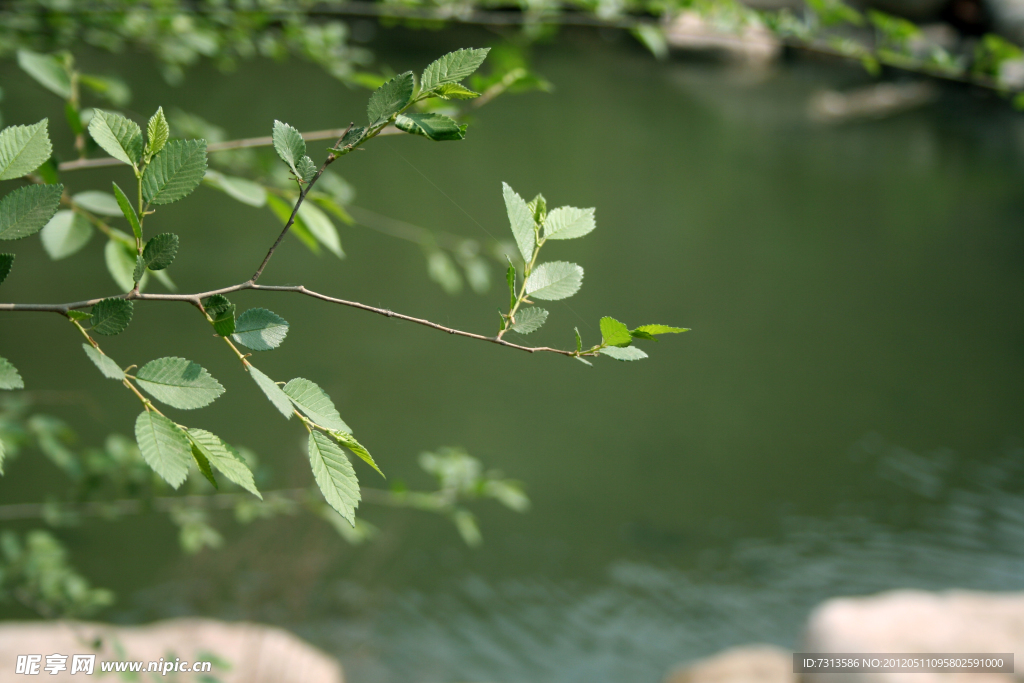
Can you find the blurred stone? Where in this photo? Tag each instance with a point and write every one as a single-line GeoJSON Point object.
{"type": "Point", "coordinates": [255, 653]}
{"type": "Point", "coordinates": [746, 664]}
{"type": "Point", "coordinates": [874, 101]}
{"type": "Point", "coordinates": [906, 621]}
{"type": "Point", "coordinates": [751, 42]}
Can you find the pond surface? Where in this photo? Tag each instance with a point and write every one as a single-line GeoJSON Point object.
{"type": "Point", "coordinates": [844, 418]}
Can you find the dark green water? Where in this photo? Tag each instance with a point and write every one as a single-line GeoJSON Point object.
{"type": "Point", "coordinates": [844, 418]}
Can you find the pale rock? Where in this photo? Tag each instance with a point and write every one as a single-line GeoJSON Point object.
{"type": "Point", "coordinates": [746, 664]}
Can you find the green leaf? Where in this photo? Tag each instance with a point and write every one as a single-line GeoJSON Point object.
{"type": "Point", "coordinates": [521, 218]}
{"type": "Point", "coordinates": [510, 278]}
{"type": "Point", "coordinates": [652, 37]}
{"type": "Point", "coordinates": [539, 208]}
{"type": "Point", "coordinates": [179, 383]}
{"type": "Point", "coordinates": [114, 90]}
{"type": "Point", "coordinates": [568, 222]}
{"type": "Point", "coordinates": [579, 340]}
{"type": "Point", "coordinates": [349, 141]}
{"type": "Point", "coordinates": [23, 149]}
{"type": "Point", "coordinates": [65, 234]}
{"type": "Point", "coordinates": [465, 524]}
{"type": "Point", "coordinates": [648, 331]}
{"type": "Point", "coordinates": [453, 67]}
{"type": "Point", "coordinates": [334, 475]}
{"type": "Point", "coordinates": [442, 270]}
{"type": "Point", "coordinates": [289, 145]}
{"type": "Point", "coordinates": [222, 312]}
{"type": "Point", "coordinates": [437, 127]}
{"type": "Point", "coordinates": [529, 320]}
{"type": "Point", "coordinates": [160, 251]}
{"type": "Point", "coordinates": [241, 189]}
{"type": "Point", "coordinates": [121, 262]}
{"type": "Point", "coordinates": [105, 363]}
{"type": "Point", "coordinates": [350, 442]}
{"type": "Point", "coordinates": [9, 377]}
{"type": "Point", "coordinates": [164, 447]}
{"type": "Point", "coordinates": [203, 463]}
{"type": "Point", "coordinates": [317, 222]}
{"type": "Point", "coordinates": [48, 71]}
{"type": "Point", "coordinates": [554, 280]}
{"type": "Point", "coordinates": [79, 315]}
{"type": "Point", "coordinates": [140, 269]}
{"type": "Point", "coordinates": [118, 136]}
{"type": "Point", "coordinates": [273, 392]}
{"type": "Point", "coordinates": [25, 211]}
{"type": "Point", "coordinates": [305, 169]}
{"type": "Point", "coordinates": [316, 404]}
{"type": "Point", "coordinates": [390, 98]}
{"type": "Point", "coordinates": [111, 316]}
{"type": "Point", "coordinates": [627, 353]}
{"type": "Point", "coordinates": [128, 211]}
{"type": "Point", "coordinates": [331, 205]}
{"type": "Point", "coordinates": [6, 263]}
{"type": "Point", "coordinates": [225, 458]}
{"type": "Point", "coordinates": [157, 132]}
{"type": "Point", "coordinates": [614, 332]}
{"type": "Point", "coordinates": [455, 91]}
{"type": "Point", "coordinates": [283, 211]}
{"type": "Point", "coordinates": [260, 329]}
{"type": "Point", "coordinates": [103, 203]}
{"type": "Point", "coordinates": [174, 172]}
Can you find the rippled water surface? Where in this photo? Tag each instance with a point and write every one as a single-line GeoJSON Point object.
{"type": "Point", "coordinates": [845, 416]}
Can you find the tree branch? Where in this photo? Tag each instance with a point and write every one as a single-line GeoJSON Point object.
{"type": "Point", "coordinates": [196, 298]}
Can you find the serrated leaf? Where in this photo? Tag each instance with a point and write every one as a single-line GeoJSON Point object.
{"type": "Point", "coordinates": [315, 404]}
{"type": "Point", "coordinates": [225, 458]}
{"type": "Point", "coordinates": [140, 268]}
{"type": "Point", "coordinates": [119, 137]}
{"type": "Point", "coordinates": [349, 442]}
{"type": "Point", "coordinates": [160, 251]}
{"type": "Point", "coordinates": [521, 219]}
{"type": "Point", "coordinates": [111, 316]}
{"type": "Point", "coordinates": [648, 331]}
{"type": "Point", "coordinates": [48, 71]}
{"type": "Point", "coordinates": [103, 203]}
{"type": "Point", "coordinates": [321, 227]}
{"type": "Point", "coordinates": [615, 333]}
{"type": "Point", "coordinates": [260, 329]}
{"type": "Point", "coordinates": [164, 447]}
{"type": "Point", "coordinates": [455, 91]}
{"type": "Point", "coordinates": [23, 149]}
{"type": "Point", "coordinates": [305, 169]}
{"type": "Point", "coordinates": [273, 392]}
{"type": "Point", "coordinates": [241, 189]}
{"type": "Point", "coordinates": [390, 98]}
{"type": "Point", "coordinates": [6, 263]}
{"type": "Point", "coordinates": [128, 211]}
{"type": "Point", "coordinates": [65, 234]}
{"type": "Point", "coordinates": [453, 67]}
{"type": "Point", "coordinates": [568, 222]}
{"type": "Point", "coordinates": [157, 132]}
{"type": "Point", "coordinates": [105, 363]}
{"type": "Point", "coordinates": [9, 377]}
{"type": "Point", "coordinates": [222, 312]}
{"type": "Point", "coordinates": [174, 172]}
{"type": "Point", "coordinates": [289, 145]}
{"type": "Point", "coordinates": [203, 463]}
{"type": "Point", "coordinates": [554, 280]}
{"type": "Point", "coordinates": [529, 320]}
{"type": "Point", "coordinates": [620, 353]}
{"type": "Point", "coordinates": [349, 141]}
{"type": "Point", "coordinates": [121, 262]}
{"type": "Point", "coordinates": [25, 211]}
{"type": "Point", "coordinates": [179, 383]}
{"type": "Point", "coordinates": [437, 127]}
{"type": "Point", "coordinates": [334, 475]}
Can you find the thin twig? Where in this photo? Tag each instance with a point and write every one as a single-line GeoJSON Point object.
{"type": "Point", "coordinates": [195, 299]}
